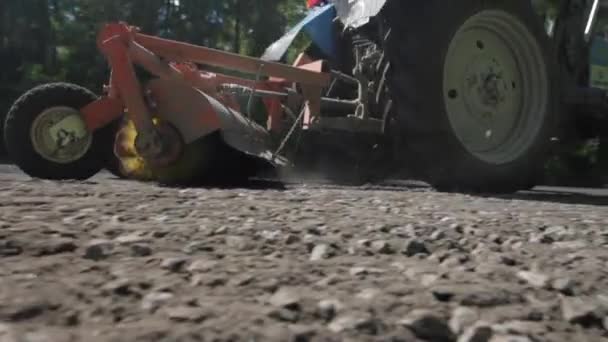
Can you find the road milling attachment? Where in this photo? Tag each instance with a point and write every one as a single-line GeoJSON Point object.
{"type": "Point", "coordinates": [206, 161]}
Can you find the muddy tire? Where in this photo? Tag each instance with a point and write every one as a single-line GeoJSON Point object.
{"type": "Point", "coordinates": [476, 92]}
{"type": "Point", "coordinates": [46, 138]}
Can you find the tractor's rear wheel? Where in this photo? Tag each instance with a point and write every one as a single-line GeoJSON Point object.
{"type": "Point", "coordinates": [46, 137]}
{"type": "Point", "coordinates": [476, 91]}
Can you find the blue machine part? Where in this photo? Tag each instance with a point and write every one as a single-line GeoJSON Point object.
{"type": "Point", "coordinates": [318, 25]}
{"type": "Point", "coordinates": [599, 63]}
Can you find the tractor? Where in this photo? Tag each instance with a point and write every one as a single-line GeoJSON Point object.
{"type": "Point", "coordinates": [468, 96]}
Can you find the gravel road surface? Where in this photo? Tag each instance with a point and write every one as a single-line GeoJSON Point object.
{"type": "Point", "coordinates": [111, 260]}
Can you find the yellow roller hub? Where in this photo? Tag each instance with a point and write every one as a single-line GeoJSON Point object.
{"type": "Point", "coordinates": [133, 165]}
{"type": "Point", "coordinates": [189, 167]}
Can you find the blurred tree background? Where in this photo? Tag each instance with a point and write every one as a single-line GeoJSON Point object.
{"type": "Point", "coordinates": [55, 40]}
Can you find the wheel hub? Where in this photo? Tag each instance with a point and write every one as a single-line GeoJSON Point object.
{"type": "Point", "coordinates": [60, 135]}
{"type": "Point", "coordinates": [489, 92]}
{"type": "Point", "coordinates": [171, 146]}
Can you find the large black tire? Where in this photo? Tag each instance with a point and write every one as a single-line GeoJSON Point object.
{"type": "Point", "coordinates": [417, 46]}
{"type": "Point", "coordinates": [18, 139]}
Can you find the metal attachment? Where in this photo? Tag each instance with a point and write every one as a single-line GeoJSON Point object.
{"type": "Point", "coordinates": [60, 135]}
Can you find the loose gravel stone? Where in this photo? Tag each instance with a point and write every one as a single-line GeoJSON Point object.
{"type": "Point", "coordinates": [328, 309]}
{"type": "Point", "coordinates": [8, 333]}
{"type": "Point", "coordinates": [563, 285]}
{"type": "Point", "coordinates": [201, 266]}
{"type": "Point", "coordinates": [24, 310]}
{"type": "Point", "coordinates": [362, 323]}
{"type": "Point", "coordinates": [140, 250]}
{"type": "Point", "coordinates": [186, 314]}
{"type": "Point", "coordinates": [507, 260]}
{"type": "Point", "coordinates": [510, 338]}
{"type": "Point", "coordinates": [285, 298]}
{"type": "Point", "coordinates": [580, 311]}
{"type": "Point", "coordinates": [238, 243]}
{"type": "Point", "coordinates": [535, 279]}
{"type": "Point", "coordinates": [290, 239]}
{"type": "Point", "coordinates": [135, 238]}
{"type": "Point", "coordinates": [154, 300]}
{"type": "Point", "coordinates": [98, 249]}
{"type": "Point", "coordinates": [319, 252]}
{"type": "Point", "coordinates": [285, 315]}
{"type": "Point", "coordinates": [479, 332]}
{"type": "Point", "coordinates": [429, 279]}
{"type": "Point", "coordinates": [462, 318]}
{"type": "Point", "coordinates": [519, 327]}
{"type": "Point", "coordinates": [428, 327]}
{"type": "Point", "coordinates": [476, 296]}
{"type": "Point", "coordinates": [414, 247]}
{"type": "Point", "coordinates": [235, 264]}
{"type": "Point", "coordinates": [368, 294]}
{"type": "Point", "coordinates": [174, 264]}
{"type": "Point", "coordinates": [120, 287]}
{"type": "Point", "coordinates": [357, 271]}
{"type": "Point", "coordinates": [382, 247]}
{"type": "Point", "coordinates": [242, 280]}
{"type": "Point", "coordinates": [47, 334]}
{"type": "Point", "coordinates": [55, 246]}
{"type": "Point", "coordinates": [10, 248]}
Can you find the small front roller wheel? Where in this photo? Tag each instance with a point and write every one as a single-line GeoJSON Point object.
{"type": "Point", "coordinates": [46, 136]}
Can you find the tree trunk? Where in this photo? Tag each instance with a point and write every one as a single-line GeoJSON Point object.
{"type": "Point", "coordinates": [3, 14]}
{"type": "Point", "coordinates": [237, 27]}
{"type": "Point", "coordinates": [48, 33]}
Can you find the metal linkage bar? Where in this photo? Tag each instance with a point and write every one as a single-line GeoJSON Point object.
{"type": "Point", "coordinates": [179, 51]}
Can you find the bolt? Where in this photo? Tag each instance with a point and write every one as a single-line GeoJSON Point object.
{"type": "Point", "coordinates": [453, 94]}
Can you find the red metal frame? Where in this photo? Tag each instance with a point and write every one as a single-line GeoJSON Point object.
{"type": "Point", "coordinates": [124, 46]}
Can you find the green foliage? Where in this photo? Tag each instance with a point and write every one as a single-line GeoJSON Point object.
{"type": "Point", "coordinates": [55, 40]}
{"type": "Point", "coordinates": [582, 163]}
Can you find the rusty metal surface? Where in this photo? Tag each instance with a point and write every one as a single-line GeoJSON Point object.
{"type": "Point", "coordinates": [196, 114]}
{"type": "Point", "coordinates": [102, 112]}
{"type": "Point", "coordinates": [242, 133]}
{"type": "Point", "coordinates": [185, 52]}
{"type": "Point", "coordinates": [185, 107]}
